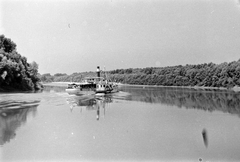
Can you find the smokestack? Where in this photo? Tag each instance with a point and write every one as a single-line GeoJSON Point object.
{"type": "Point", "coordinates": [98, 71]}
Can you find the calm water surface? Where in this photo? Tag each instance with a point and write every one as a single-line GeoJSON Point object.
{"type": "Point", "coordinates": [135, 124]}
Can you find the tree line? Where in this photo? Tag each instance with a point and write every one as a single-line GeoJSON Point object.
{"type": "Point", "coordinates": [15, 72]}
{"type": "Point", "coordinates": [207, 75]}
{"type": "Point", "coordinates": [63, 77]}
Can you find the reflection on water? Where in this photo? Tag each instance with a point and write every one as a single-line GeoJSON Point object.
{"type": "Point", "coordinates": [13, 114]}
{"type": "Point", "coordinates": [121, 126]}
{"type": "Point", "coordinates": [90, 102]}
{"type": "Point", "coordinates": [208, 100]}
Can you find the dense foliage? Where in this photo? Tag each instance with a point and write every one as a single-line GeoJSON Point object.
{"type": "Point", "coordinates": [75, 77]}
{"type": "Point", "coordinates": [206, 75]}
{"type": "Point", "coordinates": [15, 72]}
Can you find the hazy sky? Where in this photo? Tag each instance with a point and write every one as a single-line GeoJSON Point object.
{"type": "Point", "coordinates": [77, 35]}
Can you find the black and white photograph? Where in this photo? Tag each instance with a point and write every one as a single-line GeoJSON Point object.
{"type": "Point", "coordinates": [119, 80]}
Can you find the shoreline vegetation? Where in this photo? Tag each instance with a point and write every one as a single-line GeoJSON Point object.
{"type": "Point", "coordinates": [236, 88]}
{"type": "Point", "coordinates": [224, 76]}
{"type": "Point", "coordinates": [16, 74]}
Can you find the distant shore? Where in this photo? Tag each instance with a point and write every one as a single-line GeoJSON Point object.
{"type": "Point", "coordinates": [236, 89]}
{"type": "Point", "coordinates": [60, 84]}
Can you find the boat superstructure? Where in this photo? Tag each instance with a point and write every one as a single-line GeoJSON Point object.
{"type": "Point", "coordinates": [92, 85]}
{"type": "Point", "coordinates": [105, 86]}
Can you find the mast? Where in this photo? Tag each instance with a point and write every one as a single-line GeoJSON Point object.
{"type": "Point", "coordinates": [98, 71]}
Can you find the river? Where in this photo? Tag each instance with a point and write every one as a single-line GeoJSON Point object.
{"type": "Point", "coordinates": [134, 124]}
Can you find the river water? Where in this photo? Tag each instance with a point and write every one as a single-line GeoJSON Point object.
{"type": "Point", "coordinates": [134, 124]}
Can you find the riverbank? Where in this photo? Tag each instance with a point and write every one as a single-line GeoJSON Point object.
{"type": "Point", "coordinates": [236, 88]}
{"type": "Point", "coordinates": [60, 84]}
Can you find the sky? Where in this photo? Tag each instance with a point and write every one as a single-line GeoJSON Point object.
{"type": "Point", "coordinates": [68, 36]}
